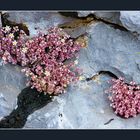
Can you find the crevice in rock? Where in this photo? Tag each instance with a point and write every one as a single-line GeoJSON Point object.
{"type": "Point", "coordinates": [138, 67]}
{"type": "Point", "coordinates": [93, 18]}
{"type": "Point", "coordinates": [29, 100]}
{"type": "Point", "coordinates": [109, 121]}
{"type": "Point", "coordinates": [5, 21]}
{"type": "Point", "coordinates": [102, 73]}
{"type": "Point", "coordinates": [78, 22]}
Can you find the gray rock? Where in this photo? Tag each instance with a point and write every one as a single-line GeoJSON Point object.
{"type": "Point", "coordinates": [130, 20]}
{"type": "Point", "coordinates": [37, 20]}
{"type": "Point", "coordinates": [114, 50]}
{"type": "Point", "coordinates": [110, 49]}
{"type": "Point", "coordinates": [12, 81]}
{"type": "Point", "coordinates": [85, 13]}
{"type": "Point", "coordinates": [85, 105]}
{"type": "Point", "coordinates": [113, 17]}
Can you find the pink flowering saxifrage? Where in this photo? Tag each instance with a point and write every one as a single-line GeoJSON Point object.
{"type": "Point", "coordinates": [46, 58]}
{"type": "Point", "coordinates": [125, 98]}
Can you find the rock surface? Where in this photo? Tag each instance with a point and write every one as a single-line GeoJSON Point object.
{"type": "Point", "coordinates": [85, 13]}
{"type": "Point", "coordinates": [130, 19]}
{"type": "Point", "coordinates": [37, 21]}
{"type": "Point", "coordinates": [12, 81]}
{"type": "Point", "coordinates": [85, 105]}
{"type": "Point", "coordinates": [113, 17]}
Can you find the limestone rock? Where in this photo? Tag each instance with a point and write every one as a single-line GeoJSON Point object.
{"type": "Point", "coordinates": [85, 105]}
{"type": "Point", "coordinates": [12, 81]}
{"type": "Point", "coordinates": [85, 13]}
{"type": "Point", "coordinates": [113, 17]}
{"type": "Point", "coordinates": [37, 21]}
{"type": "Point", "coordinates": [130, 19]}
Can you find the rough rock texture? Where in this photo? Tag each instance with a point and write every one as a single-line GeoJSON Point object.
{"type": "Point", "coordinates": [12, 81]}
{"type": "Point", "coordinates": [37, 21]}
{"type": "Point", "coordinates": [130, 19]}
{"type": "Point", "coordinates": [85, 13]}
{"type": "Point", "coordinates": [85, 105]}
{"type": "Point", "coordinates": [113, 17]}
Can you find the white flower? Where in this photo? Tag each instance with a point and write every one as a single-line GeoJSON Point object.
{"type": "Point", "coordinates": [24, 50]}
{"type": "Point", "coordinates": [65, 85]}
{"type": "Point", "coordinates": [7, 28]}
{"type": "Point", "coordinates": [43, 82]}
{"type": "Point", "coordinates": [11, 35]}
{"type": "Point", "coordinates": [76, 62]}
{"type": "Point", "coordinates": [63, 40]}
{"type": "Point", "coordinates": [47, 73]}
{"type": "Point", "coordinates": [81, 78]}
{"type": "Point", "coordinates": [14, 42]}
{"type": "Point", "coordinates": [4, 58]}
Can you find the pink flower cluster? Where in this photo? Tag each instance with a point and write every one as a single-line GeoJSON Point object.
{"type": "Point", "coordinates": [125, 98]}
{"type": "Point", "coordinates": [11, 40]}
{"type": "Point", "coordinates": [47, 58]}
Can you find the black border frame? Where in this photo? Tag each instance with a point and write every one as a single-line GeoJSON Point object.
{"type": "Point", "coordinates": [69, 5]}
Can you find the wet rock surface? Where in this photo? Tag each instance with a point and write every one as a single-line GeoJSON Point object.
{"type": "Point", "coordinates": [107, 52]}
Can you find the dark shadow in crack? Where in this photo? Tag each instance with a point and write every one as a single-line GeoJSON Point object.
{"type": "Point", "coordinates": [102, 73]}
{"type": "Point", "coordinates": [95, 18]}
{"type": "Point", "coordinates": [29, 100]}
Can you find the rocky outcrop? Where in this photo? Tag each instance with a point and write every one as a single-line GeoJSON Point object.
{"type": "Point", "coordinates": [107, 51]}
{"type": "Point", "coordinates": [85, 105]}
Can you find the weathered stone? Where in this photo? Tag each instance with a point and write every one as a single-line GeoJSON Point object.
{"type": "Point", "coordinates": [12, 81]}
{"type": "Point", "coordinates": [85, 105]}
{"type": "Point", "coordinates": [130, 19]}
{"type": "Point", "coordinates": [85, 13]}
{"type": "Point", "coordinates": [37, 21]}
{"type": "Point", "coordinates": [113, 17]}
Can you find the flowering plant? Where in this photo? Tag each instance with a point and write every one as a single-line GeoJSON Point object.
{"type": "Point", "coordinates": [125, 98]}
{"type": "Point", "coordinates": [10, 44]}
{"type": "Point", "coordinates": [47, 58]}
